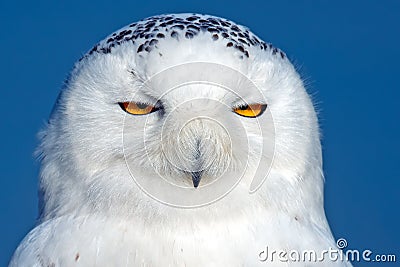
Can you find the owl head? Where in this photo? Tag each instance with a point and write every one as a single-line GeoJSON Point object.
{"type": "Point", "coordinates": [180, 110]}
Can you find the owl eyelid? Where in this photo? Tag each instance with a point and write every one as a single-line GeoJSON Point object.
{"type": "Point", "coordinates": [245, 104]}
{"type": "Point", "coordinates": [158, 104]}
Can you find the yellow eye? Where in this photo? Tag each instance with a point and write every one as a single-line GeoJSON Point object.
{"type": "Point", "coordinates": [251, 111]}
{"type": "Point", "coordinates": [136, 108]}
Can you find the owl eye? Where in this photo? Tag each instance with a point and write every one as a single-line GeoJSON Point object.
{"type": "Point", "coordinates": [137, 108]}
{"type": "Point", "coordinates": [251, 111]}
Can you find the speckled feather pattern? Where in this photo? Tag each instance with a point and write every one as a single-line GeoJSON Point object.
{"type": "Point", "coordinates": [147, 33]}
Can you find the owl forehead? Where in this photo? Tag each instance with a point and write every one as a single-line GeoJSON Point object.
{"type": "Point", "coordinates": [148, 33]}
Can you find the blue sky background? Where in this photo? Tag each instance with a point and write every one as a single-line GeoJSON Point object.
{"type": "Point", "coordinates": [348, 51]}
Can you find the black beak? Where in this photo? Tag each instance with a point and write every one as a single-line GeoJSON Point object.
{"type": "Point", "coordinates": [196, 177]}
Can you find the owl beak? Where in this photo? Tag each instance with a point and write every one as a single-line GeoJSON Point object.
{"type": "Point", "coordinates": [196, 177]}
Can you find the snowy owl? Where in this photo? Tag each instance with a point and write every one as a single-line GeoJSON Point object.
{"type": "Point", "coordinates": [181, 140]}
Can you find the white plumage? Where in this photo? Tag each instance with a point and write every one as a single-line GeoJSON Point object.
{"type": "Point", "coordinates": [113, 184]}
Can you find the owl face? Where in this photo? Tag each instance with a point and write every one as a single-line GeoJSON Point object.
{"type": "Point", "coordinates": [189, 105]}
